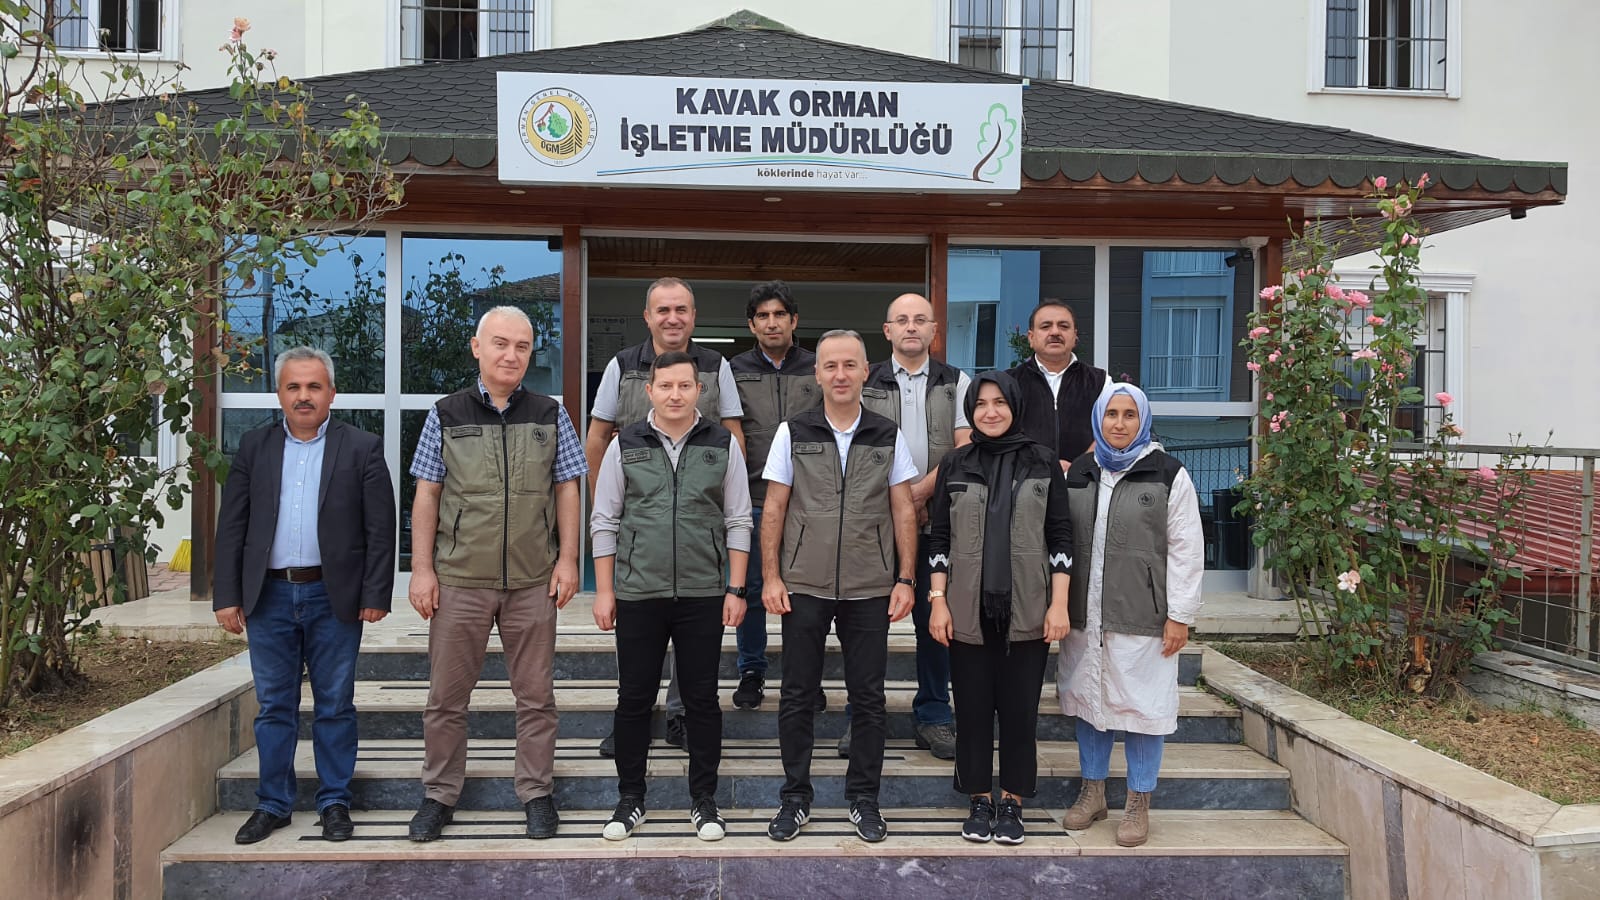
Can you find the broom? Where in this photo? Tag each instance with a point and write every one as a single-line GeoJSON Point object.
{"type": "Point", "coordinates": [180, 557]}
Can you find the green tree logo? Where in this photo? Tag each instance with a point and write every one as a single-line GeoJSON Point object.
{"type": "Point", "coordinates": [997, 140]}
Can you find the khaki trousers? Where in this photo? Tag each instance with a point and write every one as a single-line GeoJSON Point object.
{"type": "Point", "coordinates": [458, 638]}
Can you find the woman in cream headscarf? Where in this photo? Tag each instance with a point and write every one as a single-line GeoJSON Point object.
{"type": "Point", "coordinates": [1137, 568]}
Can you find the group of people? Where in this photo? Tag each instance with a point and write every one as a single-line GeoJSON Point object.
{"type": "Point", "coordinates": [1002, 513]}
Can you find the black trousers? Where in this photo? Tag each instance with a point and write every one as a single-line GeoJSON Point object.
{"type": "Point", "coordinates": [863, 629]}
{"type": "Point", "coordinates": [989, 681]}
{"type": "Point", "coordinates": [694, 626]}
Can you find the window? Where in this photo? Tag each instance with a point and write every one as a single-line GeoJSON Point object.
{"type": "Point", "coordinates": [1185, 351]}
{"type": "Point", "coordinates": [1427, 371]}
{"type": "Point", "coordinates": [992, 290]}
{"type": "Point", "coordinates": [438, 30]}
{"type": "Point", "coordinates": [1033, 38]}
{"type": "Point", "coordinates": [1388, 45]}
{"type": "Point", "coordinates": [119, 26]}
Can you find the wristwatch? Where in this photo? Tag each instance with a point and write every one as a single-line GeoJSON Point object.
{"type": "Point", "coordinates": [905, 581]}
{"type": "Point", "coordinates": [736, 591]}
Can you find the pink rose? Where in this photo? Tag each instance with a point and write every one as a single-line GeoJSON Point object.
{"type": "Point", "coordinates": [1444, 398]}
{"type": "Point", "coordinates": [1269, 396]}
{"type": "Point", "coordinates": [1253, 366]}
{"type": "Point", "coordinates": [1365, 353]}
{"type": "Point", "coordinates": [1408, 239]}
{"type": "Point", "coordinates": [1375, 320]}
{"type": "Point", "coordinates": [1334, 291]}
{"type": "Point", "coordinates": [1358, 298]}
{"type": "Point", "coordinates": [1258, 331]}
{"type": "Point", "coordinates": [1273, 356]}
{"type": "Point", "coordinates": [1380, 182]}
{"type": "Point", "coordinates": [1487, 473]}
{"type": "Point", "coordinates": [1422, 182]}
{"type": "Point", "coordinates": [1272, 292]}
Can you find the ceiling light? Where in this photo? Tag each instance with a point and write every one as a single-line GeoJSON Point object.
{"type": "Point", "coordinates": [518, 191]}
{"type": "Point", "coordinates": [773, 199]}
{"type": "Point", "coordinates": [1224, 209]}
{"type": "Point", "coordinates": [996, 203]}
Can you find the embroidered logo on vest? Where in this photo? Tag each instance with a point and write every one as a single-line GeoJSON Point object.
{"type": "Point", "coordinates": [878, 458]}
{"type": "Point", "coordinates": [1147, 499]}
{"type": "Point", "coordinates": [636, 454]}
{"type": "Point", "coordinates": [710, 457]}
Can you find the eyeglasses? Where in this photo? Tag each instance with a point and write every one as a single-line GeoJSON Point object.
{"type": "Point", "coordinates": [919, 321]}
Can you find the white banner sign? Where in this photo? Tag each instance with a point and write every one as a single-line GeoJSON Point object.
{"type": "Point", "coordinates": [765, 134]}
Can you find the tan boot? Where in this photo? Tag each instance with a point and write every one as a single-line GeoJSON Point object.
{"type": "Point", "coordinates": [1090, 808]}
{"type": "Point", "coordinates": [1134, 829]}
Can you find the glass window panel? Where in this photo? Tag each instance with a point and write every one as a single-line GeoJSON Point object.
{"type": "Point", "coordinates": [336, 306]}
{"type": "Point", "coordinates": [1176, 315]}
{"type": "Point", "coordinates": [1216, 454]}
{"type": "Point", "coordinates": [450, 281]}
{"type": "Point", "coordinates": [1014, 279]}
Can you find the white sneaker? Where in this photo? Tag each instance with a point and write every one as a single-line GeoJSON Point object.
{"type": "Point", "coordinates": [708, 822]}
{"type": "Point", "coordinates": [627, 816]}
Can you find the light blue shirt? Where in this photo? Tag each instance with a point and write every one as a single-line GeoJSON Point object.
{"type": "Point", "coordinates": [294, 543]}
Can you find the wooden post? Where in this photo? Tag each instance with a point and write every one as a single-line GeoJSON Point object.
{"type": "Point", "coordinates": [574, 330]}
{"type": "Point", "coordinates": [939, 288]}
{"type": "Point", "coordinates": [207, 423]}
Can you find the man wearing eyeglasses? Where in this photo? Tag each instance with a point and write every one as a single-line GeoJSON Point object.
{"type": "Point", "coordinates": [924, 397]}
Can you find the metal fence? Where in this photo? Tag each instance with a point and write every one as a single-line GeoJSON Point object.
{"type": "Point", "coordinates": [1553, 593]}
{"type": "Point", "coordinates": [1216, 468]}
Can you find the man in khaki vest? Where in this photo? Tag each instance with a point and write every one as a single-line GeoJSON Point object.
{"type": "Point", "coordinates": [838, 546]}
{"type": "Point", "coordinates": [495, 536]}
{"type": "Point", "coordinates": [926, 398]}
{"type": "Point", "coordinates": [622, 400]}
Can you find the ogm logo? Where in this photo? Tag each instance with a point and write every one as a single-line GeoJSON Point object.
{"type": "Point", "coordinates": [558, 127]}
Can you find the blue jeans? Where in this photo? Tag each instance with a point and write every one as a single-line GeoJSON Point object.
{"type": "Point", "coordinates": [752, 633]}
{"type": "Point", "coordinates": [931, 705]}
{"type": "Point", "coordinates": [1142, 750]}
{"type": "Point", "coordinates": [292, 629]}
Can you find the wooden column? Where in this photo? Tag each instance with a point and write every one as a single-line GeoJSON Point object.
{"type": "Point", "coordinates": [206, 422]}
{"type": "Point", "coordinates": [939, 287]}
{"type": "Point", "coordinates": [574, 330]}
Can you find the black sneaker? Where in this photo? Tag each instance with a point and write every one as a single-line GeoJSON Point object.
{"type": "Point", "coordinates": [624, 819]}
{"type": "Point", "coordinates": [1008, 822]}
{"type": "Point", "coordinates": [608, 746]}
{"type": "Point", "coordinates": [870, 826]}
{"type": "Point", "coordinates": [751, 690]}
{"type": "Point", "coordinates": [979, 826]}
{"type": "Point", "coordinates": [787, 823]}
{"type": "Point", "coordinates": [708, 822]}
{"type": "Point", "coordinates": [676, 736]}
{"type": "Point", "coordinates": [431, 818]}
{"type": "Point", "coordinates": [543, 820]}
{"type": "Point", "coordinates": [844, 742]}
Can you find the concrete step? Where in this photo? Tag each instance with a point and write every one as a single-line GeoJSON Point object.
{"type": "Point", "coordinates": [1193, 776]}
{"type": "Point", "coordinates": [393, 710]}
{"type": "Point", "coordinates": [587, 652]}
{"type": "Point", "coordinates": [1261, 854]}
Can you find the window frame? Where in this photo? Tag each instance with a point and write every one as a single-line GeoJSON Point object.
{"type": "Point", "coordinates": [1317, 57]}
{"type": "Point", "coordinates": [395, 36]}
{"type": "Point", "coordinates": [1074, 56]}
{"type": "Point", "coordinates": [169, 51]}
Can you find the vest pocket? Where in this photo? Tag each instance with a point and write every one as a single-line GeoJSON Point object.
{"type": "Point", "coordinates": [794, 557]}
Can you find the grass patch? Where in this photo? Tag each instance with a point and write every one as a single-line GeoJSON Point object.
{"type": "Point", "coordinates": [116, 672]}
{"type": "Point", "coordinates": [1553, 755]}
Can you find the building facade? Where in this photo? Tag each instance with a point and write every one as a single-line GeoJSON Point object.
{"type": "Point", "coordinates": [1161, 305]}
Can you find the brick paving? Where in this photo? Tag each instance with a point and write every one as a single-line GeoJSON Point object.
{"type": "Point", "coordinates": [162, 579]}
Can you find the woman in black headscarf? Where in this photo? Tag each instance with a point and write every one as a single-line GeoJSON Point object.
{"type": "Point", "coordinates": [1000, 548]}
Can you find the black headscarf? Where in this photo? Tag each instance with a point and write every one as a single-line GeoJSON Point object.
{"type": "Point", "coordinates": [997, 458]}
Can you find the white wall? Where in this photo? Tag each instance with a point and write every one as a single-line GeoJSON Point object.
{"type": "Point", "coordinates": [1526, 79]}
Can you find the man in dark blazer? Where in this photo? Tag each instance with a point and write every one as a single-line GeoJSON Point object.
{"type": "Point", "coordinates": [305, 555]}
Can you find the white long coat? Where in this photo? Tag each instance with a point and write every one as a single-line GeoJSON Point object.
{"type": "Point", "coordinates": [1121, 681]}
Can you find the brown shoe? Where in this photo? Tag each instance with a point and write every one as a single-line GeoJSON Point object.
{"type": "Point", "coordinates": [1090, 808]}
{"type": "Point", "coordinates": [1134, 829]}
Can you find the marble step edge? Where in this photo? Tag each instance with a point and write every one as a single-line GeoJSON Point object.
{"type": "Point", "coordinates": [380, 835]}
{"type": "Point", "coordinates": [579, 758]}
{"type": "Point", "coordinates": [596, 696]}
